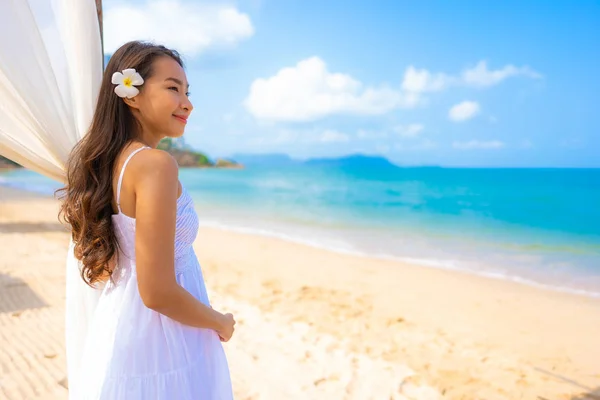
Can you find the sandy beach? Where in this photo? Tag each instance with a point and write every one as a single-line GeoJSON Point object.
{"type": "Point", "coordinates": [314, 324]}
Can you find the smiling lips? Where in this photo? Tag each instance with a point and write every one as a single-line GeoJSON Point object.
{"type": "Point", "coordinates": [181, 118]}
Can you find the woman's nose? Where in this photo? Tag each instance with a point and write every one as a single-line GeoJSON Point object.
{"type": "Point", "coordinates": [187, 106]}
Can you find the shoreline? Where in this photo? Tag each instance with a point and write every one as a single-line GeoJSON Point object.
{"type": "Point", "coordinates": [426, 263]}
{"type": "Point", "coordinates": [332, 323]}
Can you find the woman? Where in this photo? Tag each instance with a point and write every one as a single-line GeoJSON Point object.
{"type": "Point", "coordinates": [153, 334]}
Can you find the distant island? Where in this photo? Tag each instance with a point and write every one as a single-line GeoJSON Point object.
{"type": "Point", "coordinates": [276, 160]}
{"type": "Point", "coordinates": [349, 161]}
{"type": "Point", "coordinates": [188, 157]}
{"type": "Point", "coordinates": [185, 156]}
{"type": "Point", "coordinates": [353, 161]}
{"type": "Point", "coordinates": [5, 163]}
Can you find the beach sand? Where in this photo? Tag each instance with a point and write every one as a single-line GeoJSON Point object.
{"type": "Point", "coordinates": [313, 324]}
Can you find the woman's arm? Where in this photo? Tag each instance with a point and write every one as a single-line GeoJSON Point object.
{"type": "Point", "coordinates": [156, 187]}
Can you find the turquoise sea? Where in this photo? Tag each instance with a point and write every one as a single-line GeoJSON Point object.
{"type": "Point", "coordinates": [535, 226]}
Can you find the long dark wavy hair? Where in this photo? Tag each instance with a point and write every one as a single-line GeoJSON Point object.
{"type": "Point", "coordinates": [86, 200]}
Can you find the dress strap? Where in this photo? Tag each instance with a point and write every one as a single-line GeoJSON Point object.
{"type": "Point", "coordinates": [133, 153]}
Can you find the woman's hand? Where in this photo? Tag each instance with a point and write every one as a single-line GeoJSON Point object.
{"type": "Point", "coordinates": [227, 327]}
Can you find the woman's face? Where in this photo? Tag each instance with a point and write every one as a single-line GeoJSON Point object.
{"type": "Point", "coordinates": [163, 105]}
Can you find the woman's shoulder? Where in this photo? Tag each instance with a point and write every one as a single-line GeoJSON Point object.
{"type": "Point", "coordinates": [153, 164]}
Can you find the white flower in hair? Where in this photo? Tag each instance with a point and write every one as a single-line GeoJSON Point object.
{"type": "Point", "coordinates": [127, 82]}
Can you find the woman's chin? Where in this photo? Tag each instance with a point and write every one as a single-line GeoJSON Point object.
{"type": "Point", "coordinates": [176, 133]}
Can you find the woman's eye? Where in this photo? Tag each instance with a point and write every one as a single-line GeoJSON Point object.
{"type": "Point", "coordinates": [188, 94]}
{"type": "Point", "coordinates": [174, 88]}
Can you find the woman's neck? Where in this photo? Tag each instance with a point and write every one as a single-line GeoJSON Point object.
{"type": "Point", "coordinates": [149, 138]}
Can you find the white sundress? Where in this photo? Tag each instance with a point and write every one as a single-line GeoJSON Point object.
{"type": "Point", "coordinates": [134, 353]}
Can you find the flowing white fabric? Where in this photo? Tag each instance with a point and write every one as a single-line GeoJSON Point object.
{"type": "Point", "coordinates": [50, 74]}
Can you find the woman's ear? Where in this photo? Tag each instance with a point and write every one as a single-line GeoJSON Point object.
{"type": "Point", "coordinates": [133, 102]}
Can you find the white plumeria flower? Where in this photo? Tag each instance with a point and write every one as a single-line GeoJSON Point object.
{"type": "Point", "coordinates": [127, 82]}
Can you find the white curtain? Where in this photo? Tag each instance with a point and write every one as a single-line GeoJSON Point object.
{"type": "Point", "coordinates": [50, 74]}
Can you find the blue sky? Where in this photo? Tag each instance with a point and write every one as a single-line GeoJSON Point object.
{"type": "Point", "coordinates": [459, 83]}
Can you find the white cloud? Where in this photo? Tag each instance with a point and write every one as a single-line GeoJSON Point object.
{"type": "Point", "coordinates": [463, 111]}
{"type": "Point", "coordinates": [476, 144]}
{"type": "Point", "coordinates": [330, 136]}
{"type": "Point", "coordinates": [417, 82]}
{"type": "Point", "coordinates": [425, 144]}
{"type": "Point", "coordinates": [308, 91]}
{"type": "Point", "coordinates": [421, 80]}
{"type": "Point", "coordinates": [371, 134]}
{"type": "Point", "coordinates": [190, 28]}
{"type": "Point", "coordinates": [481, 76]}
{"type": "Point", "coordinates": [409, 131]}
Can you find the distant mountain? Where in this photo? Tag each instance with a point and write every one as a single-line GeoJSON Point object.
{"type": "Point", "coordinates": [5, 163]}
{"type": "Point", "coordinates": [279, 160]}
{"type": "Point", "coordinates": [269, 160]}
{"type": "Point", "coordinates": [353, 161]}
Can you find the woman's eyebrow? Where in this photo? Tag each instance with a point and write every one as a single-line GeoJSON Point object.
{"type": "Point", "coordinates": [177, 81]}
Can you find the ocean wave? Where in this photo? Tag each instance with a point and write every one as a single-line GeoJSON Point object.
{"type": "Point", "coordinates": [344, 248]}
{"type": "Point", "coordinates": [27, 186]}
